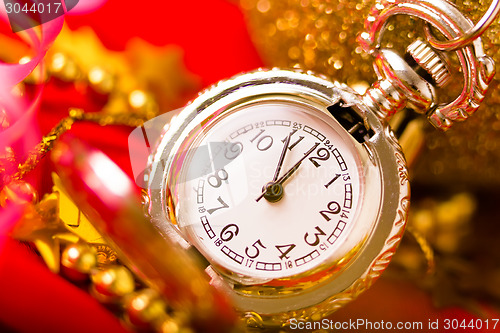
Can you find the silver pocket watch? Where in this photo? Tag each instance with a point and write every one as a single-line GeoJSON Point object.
{"type": "Point", "coordinates": [293, 188]}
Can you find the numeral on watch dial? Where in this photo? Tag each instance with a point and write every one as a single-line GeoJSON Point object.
{"type": "Point", "coordinates": [254, 251]}
{"type": "Point", "coordinates": [264, 142]}
{"type": "Point", "coordinates": [316, 237]}
{"type": "Point", "coordinates": [333, 208]}
{"type": "Point", "coordinates": [224, 205]}
{"type": "Point", "coordinates": [284, 250]}
{"type": "Point", "coordinates": [215, 180]}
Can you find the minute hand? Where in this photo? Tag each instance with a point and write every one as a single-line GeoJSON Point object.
{"type": "Point", "coordinates": [282, 156]}
{"type": "Point", "coordinates": [290, 172]}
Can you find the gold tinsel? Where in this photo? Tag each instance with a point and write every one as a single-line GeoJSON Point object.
{"type": "Point", "coordinates": [320, 35]}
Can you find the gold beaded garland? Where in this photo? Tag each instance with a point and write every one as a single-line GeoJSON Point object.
{"type": "Point", "coordinates": [130, 98]}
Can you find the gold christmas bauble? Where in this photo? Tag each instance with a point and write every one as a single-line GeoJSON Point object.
{"type": "Point", "coordinates": [320, 35]}
{"type": "Point", "coordinates": [112, 282]}
{"type": "Point", "coordinates": [17, 192]}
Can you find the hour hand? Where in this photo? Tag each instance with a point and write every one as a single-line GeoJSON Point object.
{"type": "Point", "coordinates": [273, 191]}
{"type": "Point", "coordinates": [280, 164]}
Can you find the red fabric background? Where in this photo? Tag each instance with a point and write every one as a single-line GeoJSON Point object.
{"type": "Point", "coordinates": [217, 45]}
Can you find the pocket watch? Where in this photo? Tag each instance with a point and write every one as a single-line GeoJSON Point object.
{"type": "Point", "coordinates": [293, 188]}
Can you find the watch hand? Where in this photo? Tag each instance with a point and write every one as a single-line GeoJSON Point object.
{"type": "Point", "coordinates": [296, 166]}
{"type": "Point", "coordinates": [273, 191]}
{"type": "Point", "coordinates": [282, 156]}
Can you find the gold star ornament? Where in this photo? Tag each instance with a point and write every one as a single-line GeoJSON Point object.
{"type": "Point", "coordinates": [55, 220]}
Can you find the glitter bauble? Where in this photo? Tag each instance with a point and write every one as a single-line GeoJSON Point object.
{"type": "Point", "coordinates": [320, 35]}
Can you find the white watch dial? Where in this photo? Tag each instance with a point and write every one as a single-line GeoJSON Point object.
{"type": "Point", "coordinates": [221, 208]}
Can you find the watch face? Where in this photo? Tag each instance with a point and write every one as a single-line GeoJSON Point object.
{"type": "Point", "coordinates": [270, 189]}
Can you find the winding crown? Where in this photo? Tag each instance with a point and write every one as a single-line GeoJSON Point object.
{"type": "Point", "coordinates": [430, 61]}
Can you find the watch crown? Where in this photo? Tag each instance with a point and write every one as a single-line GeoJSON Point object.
{"type": "Point", "coordinates": [430, 61]}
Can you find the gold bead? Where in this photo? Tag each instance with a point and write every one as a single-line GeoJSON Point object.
{"type": "Point", "coordinates": [100, 80]}
{"type": "Point", "coordinates": [170, 326]}
{"type": "Point", "coordinates": [173, 325]}
{"type": "Point", "coordinates": [145, 309]}
{"type": "Point", "coordinates": [78, 260]}
{"type": "Point", "coordinates": [143, 103]}
{"type": "Point", "coordinates": [76, 113]}
{"type": "Point", "coordinates": [137, 99]}
{"type": "Point", "coordinates": [17, 192]}
{"type": "Point", "coordinates": [63, 67]}
{"type": "Point", "coordinates": [111, 283]}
